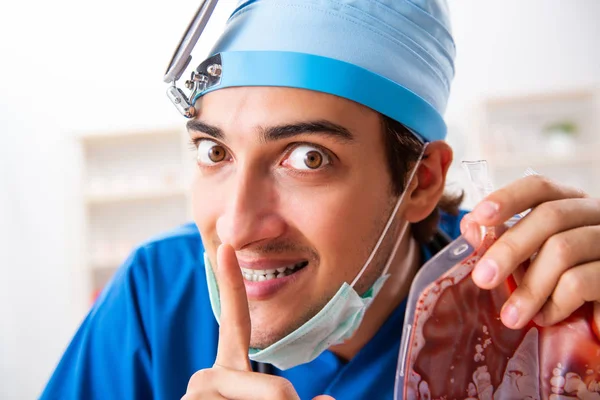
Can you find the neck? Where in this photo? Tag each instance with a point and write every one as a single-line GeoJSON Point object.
{"type": "Point", "coordinates": [402, 270]}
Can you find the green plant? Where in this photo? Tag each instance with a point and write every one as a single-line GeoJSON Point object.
{"type": "Point", "coordinates": [564, 127]}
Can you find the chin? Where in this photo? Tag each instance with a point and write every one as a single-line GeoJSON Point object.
{"type": "Point", "coordinates": [264, 335]}
{"type": "Point", "coordinates": [266, 330]}
{"type": "Point", "coordinates": [261, 340]}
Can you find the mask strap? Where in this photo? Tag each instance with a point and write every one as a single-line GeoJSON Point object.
{"type": "Point", "coordinates": [395, 248]}
{"type": "Point", "coordinates": [389, 223]}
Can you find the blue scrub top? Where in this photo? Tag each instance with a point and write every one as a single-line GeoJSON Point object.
{"type": "Point", "coordinates": [153, 327]}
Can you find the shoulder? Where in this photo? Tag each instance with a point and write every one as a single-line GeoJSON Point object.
{"type": "Point", "coordinates": [159, 269]}
{"type": "Point", "coordinates": [183, 241]}
{"type": "Point", "coordinates": [153, 313]}
{"type": "Point", "coordinates": [170, 252]}
{"type": "Point", "coordinates": [187, 231]}
{"type": "Point", "coordinates": [166, 258]}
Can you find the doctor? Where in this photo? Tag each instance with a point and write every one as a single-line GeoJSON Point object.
{"type": "Point", "coordinates": [319, 192]}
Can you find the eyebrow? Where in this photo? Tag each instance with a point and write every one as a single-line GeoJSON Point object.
{"type": "Point", "coordinates": [279, 132]}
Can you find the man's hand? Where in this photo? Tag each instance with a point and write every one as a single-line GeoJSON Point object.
{"type": "Point", "coordinates": [231, 376]}
{"type": "Point", "coordinates": [563, 227]}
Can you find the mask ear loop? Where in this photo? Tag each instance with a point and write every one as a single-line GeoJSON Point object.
{"type": "Point", "coordinates": [389, 223]}
{"type": "Point", "coordinates": [395, 249]}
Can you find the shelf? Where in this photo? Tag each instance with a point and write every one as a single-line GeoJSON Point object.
{"type": "Point", "coordinates": [107, 265]}
{"type": "Point", "coordinates": [136, 195]}
{"type": "Point", "coordinates": [581, 156]}
{"type": "Point", "coordinates": [583, 94]}
{"type": "Point", "coordinates": [116, 137]}
{"type": "Point", "coordinates": [135, 184]}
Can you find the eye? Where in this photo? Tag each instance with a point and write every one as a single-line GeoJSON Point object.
{"type": "Point", "coordinates": [306, 157]}
{"type": "Point", "coordinates": [210, 152]}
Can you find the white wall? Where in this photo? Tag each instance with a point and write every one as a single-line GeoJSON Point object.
{"type": "Point", "coordinates": [514, 47]}
{"type": "Point", "coordinates": [69, 67]}
{"type": "Point", "coordinates": [507, 48]}
{"type": "Point", "coordinates": [73, 67]}
{"type": "Point", "coordinates": [517, 47]}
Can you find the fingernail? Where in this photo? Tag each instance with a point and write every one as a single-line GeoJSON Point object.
{"type": "Point", "coordinates": [473, 233]}
{"type": "Point", "coordinates": [485, 271]}
{"type": "Point", "coordinates": [487, 209]}
{"type": "Point", "coordinates": [219, 256]}
{"type": "Point", "coordinates": [510, 315]}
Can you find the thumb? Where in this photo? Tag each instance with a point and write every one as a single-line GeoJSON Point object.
{"type": "Point", "coordinates": [323, 397]}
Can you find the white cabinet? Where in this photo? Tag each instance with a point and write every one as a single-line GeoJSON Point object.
{"type": "Point", "coordinates": [135, 185]}
{"type": "Point", "coordinates": [555, 134]}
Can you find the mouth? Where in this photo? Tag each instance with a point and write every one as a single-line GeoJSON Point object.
{"type": "Point", "coordinates": [261, 275]}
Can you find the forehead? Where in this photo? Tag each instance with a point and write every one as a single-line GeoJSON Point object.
{"type": "Point", "coordinates": [259, 106]}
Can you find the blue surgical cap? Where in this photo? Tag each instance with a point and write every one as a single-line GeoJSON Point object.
{"type": "Point", "coordinates": [393, 56]}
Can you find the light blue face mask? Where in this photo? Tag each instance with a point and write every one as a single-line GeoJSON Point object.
{"type": "Point", "coordinates": [337, 321]}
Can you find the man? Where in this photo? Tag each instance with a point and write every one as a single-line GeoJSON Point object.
{"type": "Point", "coordinates": [315, 197]}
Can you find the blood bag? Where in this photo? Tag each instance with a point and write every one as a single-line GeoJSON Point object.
{"type": "Point", "coordinates": [455, 346]}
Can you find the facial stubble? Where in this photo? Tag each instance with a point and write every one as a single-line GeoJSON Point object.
{"type": "Point", "coordinates": [263, 337]}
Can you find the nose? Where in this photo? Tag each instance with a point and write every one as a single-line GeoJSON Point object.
{"type": "Point", "coordinates": [250, 213]}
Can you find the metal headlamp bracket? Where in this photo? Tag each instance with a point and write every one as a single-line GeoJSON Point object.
{"type": "Point", "coordinates": [207, 75]}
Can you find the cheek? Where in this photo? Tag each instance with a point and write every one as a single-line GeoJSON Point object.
{"type": "Point", "coordinates": [341, 223]}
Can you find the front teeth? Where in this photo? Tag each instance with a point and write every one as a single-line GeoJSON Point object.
{"type": "Point", "coordinates": [259, 275]}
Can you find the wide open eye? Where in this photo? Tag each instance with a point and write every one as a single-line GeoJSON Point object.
{"type": "Point", "coordinates": [306, 157]}
{"type": "Point", "coordinates": [210, 153]}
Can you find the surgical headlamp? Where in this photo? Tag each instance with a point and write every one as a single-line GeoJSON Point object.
{"type": "Point", "coordinates": [208, 73]}
{"type": "Point", "coordinates": [361, 53]}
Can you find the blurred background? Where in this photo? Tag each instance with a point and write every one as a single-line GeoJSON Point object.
{"type": "Point", "coordinates": [94, 160]}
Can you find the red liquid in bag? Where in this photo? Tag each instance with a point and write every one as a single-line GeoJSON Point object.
{"type": "Point", "coordinates": [459, 348]}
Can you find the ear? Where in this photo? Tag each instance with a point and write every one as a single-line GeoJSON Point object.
{"type": "Point", "coordinates": [428, 184]}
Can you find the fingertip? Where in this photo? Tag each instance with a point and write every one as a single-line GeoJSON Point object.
{"type": "Point", "coordinates": [222, 249]}
{"type": "Point", "coordinates": [485, 273]}
{"type": "Point", "coordinates": [510, 316]}
{"type": "Point", "coordinates": [224, 254]}
{"type": "Point", "coordinates": [219, 258]}
{"type": "Point", "coordinates": [473, 234]}
{"type": "Point", "coordinates": [227, 270]}
{"type": "Point", "coordinates": [470, 230]}
{"type": "Point", "coordinates": [486, 212]}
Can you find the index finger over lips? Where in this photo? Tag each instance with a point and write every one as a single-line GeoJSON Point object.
{"type": "Point", "coordinates": [519, 196]}
{"type": "Point", "coordinates": [234, 331]}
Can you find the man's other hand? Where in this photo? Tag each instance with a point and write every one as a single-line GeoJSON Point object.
{"type": "Point", "coordinates": [561, 233]}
